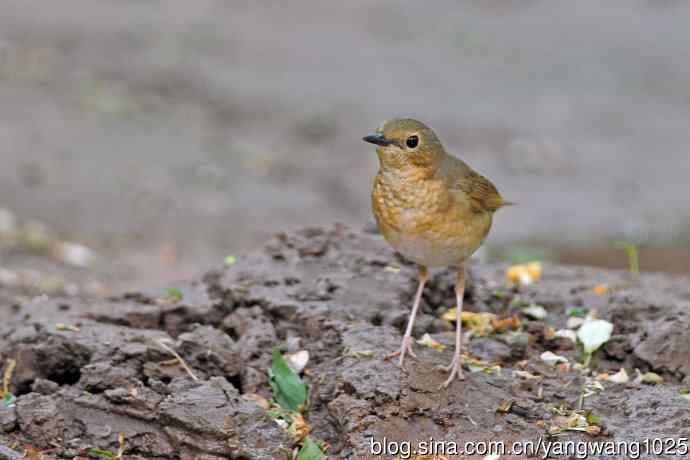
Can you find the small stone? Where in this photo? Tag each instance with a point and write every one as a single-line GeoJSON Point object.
{"type": "Point", "coordinates": [8, 418]}
{"type": "Point", "coordinates": [44, 386]}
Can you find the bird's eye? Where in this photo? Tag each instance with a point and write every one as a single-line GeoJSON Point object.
{"type": "Point", "coordinates": [412, 141]}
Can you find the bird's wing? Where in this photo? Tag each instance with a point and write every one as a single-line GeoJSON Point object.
{"type": "Point", "coordinates": [477, 189]}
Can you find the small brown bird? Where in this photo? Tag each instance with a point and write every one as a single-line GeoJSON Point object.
{"type": "Point", "coordinates": [432, 208]}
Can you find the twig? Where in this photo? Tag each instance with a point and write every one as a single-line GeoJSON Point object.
{"type": "Point", "coordinates": [162, 344]}
{"type": "Point", "coordinates": [123, 445]}
{"type": "Point", "coordinates": [7, 377]}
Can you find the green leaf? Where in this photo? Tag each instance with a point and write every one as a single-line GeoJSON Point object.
{"type": "Point", "coordinates": [101, 453]}
{"type": "Point", "coordinates": [174, 294]}
{"type": "Point", "coordinates": [310, 451]}
{"type": "Point", "coordinates": [578, 312]}
{"type": "Point", "coordinates": [9, 399]}
{"type": "Point", "coordinates": [684, 393]}
{"type": "Point", "coordinates": [594, 334]}
{"type": "Point", "coordinates": [594, 419]}
{"type": "Point", "coordinates": [230, 260]}
{"type": "Point", "coordinates": [289, 391]}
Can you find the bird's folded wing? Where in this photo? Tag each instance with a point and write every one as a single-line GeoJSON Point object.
{"type": "Point", "coordinates": [477, 189]}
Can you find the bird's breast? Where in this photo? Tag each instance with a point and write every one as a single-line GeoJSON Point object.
{"type": "Point", "coordinates": [426, 223]}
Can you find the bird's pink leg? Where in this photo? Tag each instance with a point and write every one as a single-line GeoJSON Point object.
{"type": "Point", "coordinates": [406, 346]}
{"type": "Point", "coordinates": [455, 367]}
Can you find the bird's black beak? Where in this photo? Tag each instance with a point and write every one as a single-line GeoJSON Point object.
{"type": "Point", "coordinates": [377, 139]}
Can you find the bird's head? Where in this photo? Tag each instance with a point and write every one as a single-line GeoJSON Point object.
{"type": "Point", "coordinates": [404, 143]}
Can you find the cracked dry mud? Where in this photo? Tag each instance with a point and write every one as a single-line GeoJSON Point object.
{"type": "Point", "coordinates": [328, 291]}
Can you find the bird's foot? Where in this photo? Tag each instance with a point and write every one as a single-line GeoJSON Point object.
{"type": "Point", "coordinates": [455, 369]}
{"type": "Point", "coordinates": [405, 348]}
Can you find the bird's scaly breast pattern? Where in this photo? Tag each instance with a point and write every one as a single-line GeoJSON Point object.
{"type": "Point", "coordinates": [425, 222]}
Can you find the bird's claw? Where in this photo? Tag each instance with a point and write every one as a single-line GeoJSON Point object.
{"type": "Point", "coordinates": [455, 369]}
{"type": "Point", "coordinates": [405, 348]}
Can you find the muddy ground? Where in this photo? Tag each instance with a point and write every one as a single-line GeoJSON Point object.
{"type": "Point", "coordinates": [88, 370]}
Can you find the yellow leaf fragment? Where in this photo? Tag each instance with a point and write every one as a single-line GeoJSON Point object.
{"type": "Point", "coordinates": [298, 429]}
{"type": "Point", "coordinates": [650, 378]}
{"type": "Point", "coordinates": [524, 274]}
{"type": "Point", "coordinates": [504, 407]}
{"type": "Point", "coordinates": [619, 377]}
{"type": "Point", "coordinates": [481, 322]}
{"type": "Point", "coordinates": [601, 289]}
{"type": "Point", "coordinates": [7, 376]}
{"type": "Point", "coordinates": [122, 445]}
{"type": "Point", "coordinates": [262, 402]}
{"type": "Point", "coordinates": [430, 342]}
{"type": "Point", "coordinates": [512, 322]}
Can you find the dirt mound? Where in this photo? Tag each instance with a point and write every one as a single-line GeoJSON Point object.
{"type": "Point", "coordinates": [89, 370]}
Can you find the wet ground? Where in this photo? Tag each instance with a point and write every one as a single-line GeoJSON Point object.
{"type": "Point", "coordinates": [88, 370]}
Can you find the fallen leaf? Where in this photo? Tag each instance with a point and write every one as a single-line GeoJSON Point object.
{"type": "Point", "coordinates": [619, 377]}
{"type": "Point", "coordinates": [428, 341]}
{"type": "Point", "coordinates": [100, 453]}
{"type": "Point", "coordinates": [310, 451]}
{"type": "Point", "coordinates": [8, 400]}
{"type": "Point", "coordinates": [601, 289]}
{"type": "Point", "coordinates": [480, 322]}
{"type": "Point", "coordinates": [577, 312]}
{"type": "Point", "coordinates": [524, 274]}
{"type": "Point", "coordinates": [649, 378]}
{"type": "Point", "coordinates": [566, 334]}
{"type": "Point", "coordinates": [392, 269]}
{"type": "Point", "coordinates": [512, 322]}
{"type": "Point", "coordinates": [577, 421]}
{"type": "Point", "coordinates": [298, 429]}
{"type": "Point", "coordinates": [684, 393]}
{"type": "Point", "coordinates": [552, 358]}
{"type": "Point", "coordinates": [477, 365]}
{"type": "Point", "coordinates": [594, 419]}
{"type": "Point", "coordinates": [66, 327]}
{"type": "Point", "coordinates": [289, 391]}
{"type": "Point", "coordinates": [504, 407]}
{"type": "Point", "coordinates": [7, 379]}
{"type": "Point", "coordinates": [173, 294]}
{"type": "Point", "coordinates": [535, 311]}
{"type": "Point", "coordinates": [122, 446]}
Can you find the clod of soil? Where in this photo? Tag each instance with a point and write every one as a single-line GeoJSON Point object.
{"type": "Point", "coordinates": [344, 296]}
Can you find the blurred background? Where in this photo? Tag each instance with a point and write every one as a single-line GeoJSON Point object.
{"type": "Point", "coordinates": [142, 141]}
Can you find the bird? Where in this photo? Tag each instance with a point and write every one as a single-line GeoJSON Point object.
{"type": "Point", "coordinates": [433, 209]}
